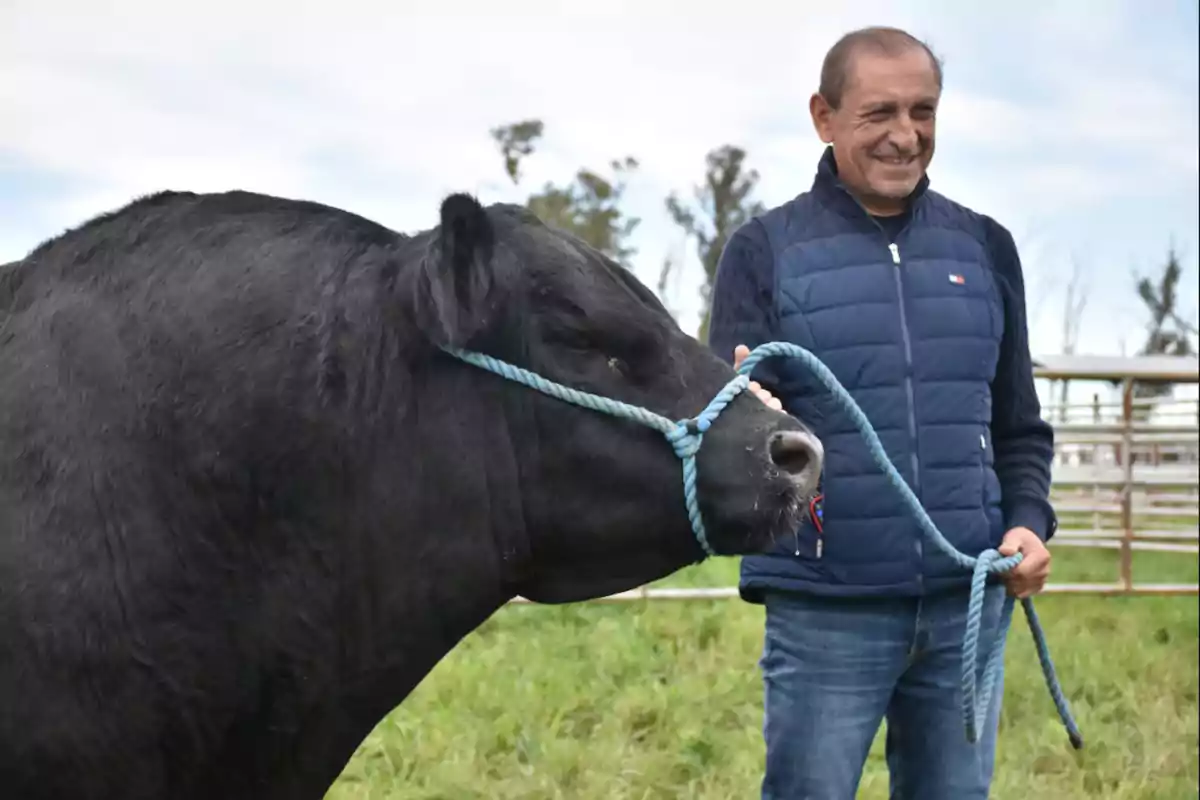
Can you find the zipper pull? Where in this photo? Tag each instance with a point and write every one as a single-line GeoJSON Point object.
{"type": "Point", "coordinates": [895, 253]}
{"type": "Point", "coordinates": [820, 546]}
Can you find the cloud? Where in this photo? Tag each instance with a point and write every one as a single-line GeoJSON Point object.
{"type": "Point", "coordinates": [385, 111]}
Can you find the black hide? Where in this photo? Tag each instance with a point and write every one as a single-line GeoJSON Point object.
{"type": "Point", "coordinates": [246, 503]}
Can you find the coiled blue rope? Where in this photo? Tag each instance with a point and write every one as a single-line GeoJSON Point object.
{"type": "Point", "coordinates": [686, 437]}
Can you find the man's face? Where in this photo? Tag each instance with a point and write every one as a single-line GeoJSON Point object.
{"type": "Point", "coordinates": [883, 133]}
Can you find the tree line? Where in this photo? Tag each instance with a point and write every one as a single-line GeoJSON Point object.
{"type": "Point", "coordinates": [590, 208]}
{"type": "Point", "coordinates": [590, 205]}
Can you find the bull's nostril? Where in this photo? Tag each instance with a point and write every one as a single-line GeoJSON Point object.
{"type": "Point", "coordinates": [795, 453]}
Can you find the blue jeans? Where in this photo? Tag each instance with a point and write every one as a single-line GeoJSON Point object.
{"type": "Point", "coordinates": [835, 668]}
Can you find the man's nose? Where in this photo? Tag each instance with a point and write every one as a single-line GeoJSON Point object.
{"type": "Point", "coordinates": [904, 134]}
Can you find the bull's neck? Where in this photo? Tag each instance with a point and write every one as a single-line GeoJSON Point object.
{"type": "Point", "coordinates": [421, 530]}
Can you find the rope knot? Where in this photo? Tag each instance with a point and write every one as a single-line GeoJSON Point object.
{"type": "Point", "coordinates": [686, 437]}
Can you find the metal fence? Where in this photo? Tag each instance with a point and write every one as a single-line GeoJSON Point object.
{"type": "Point", "coordinates": [1126, 474]}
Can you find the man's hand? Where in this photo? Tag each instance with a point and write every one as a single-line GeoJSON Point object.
{"type": "Point", "coordinates": [1029, 577]}
{"type": "Point", "coordinates": [739, 355]}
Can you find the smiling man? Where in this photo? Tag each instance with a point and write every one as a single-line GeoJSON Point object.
{"type": "Point", "coordinates": [917, 306]}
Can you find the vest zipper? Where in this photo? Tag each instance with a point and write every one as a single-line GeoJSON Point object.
{"type": "Point", "coordinates": [910, 393]}
{"type": "Point", "coordinates": [908, 368]}
{"type": "Point", "coordinates": [908, 389]}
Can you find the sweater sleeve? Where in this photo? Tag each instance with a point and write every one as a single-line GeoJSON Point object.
{"type": "Point", "coordinates": [1023, 440]}
{"type": "Point", "coordinates": [743, 299]}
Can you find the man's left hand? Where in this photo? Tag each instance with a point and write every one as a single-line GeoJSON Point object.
{"type": "Point", "coordinates": [1029, 577]}
{"type": "Point", "coordinates": [739, 355]}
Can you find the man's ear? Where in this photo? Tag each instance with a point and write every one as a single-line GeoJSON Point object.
{"type": "Point", "coordinates": [458, 289]}
{"type": "Point", "coordinates": [821, 113]}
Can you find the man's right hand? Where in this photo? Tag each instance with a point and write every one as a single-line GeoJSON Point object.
{"type": "Point", "coordinates": [739, 355]}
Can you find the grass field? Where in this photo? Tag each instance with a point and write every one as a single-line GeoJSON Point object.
{"type": "Point", "coordinates": [643, 701]}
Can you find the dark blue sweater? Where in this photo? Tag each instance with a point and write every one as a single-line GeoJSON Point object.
{"type": "Point", "coordinates": [926, 329]}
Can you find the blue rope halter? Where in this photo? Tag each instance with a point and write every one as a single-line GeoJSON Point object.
{"type": "Point", "coordinates": [687, 435]}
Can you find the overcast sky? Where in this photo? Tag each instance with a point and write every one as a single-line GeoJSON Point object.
{"type": "Point", "coordinates": [1073, 123]}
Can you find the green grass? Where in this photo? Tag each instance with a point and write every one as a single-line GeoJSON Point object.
{"type": "Point", "coordinates": [642, 701]}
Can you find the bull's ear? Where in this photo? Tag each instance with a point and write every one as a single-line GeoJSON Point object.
{"type": "Point", "coordinates": [458, 289]}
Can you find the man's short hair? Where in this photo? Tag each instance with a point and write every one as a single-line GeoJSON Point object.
{"type": "Point", "coordinates": [839, 61]}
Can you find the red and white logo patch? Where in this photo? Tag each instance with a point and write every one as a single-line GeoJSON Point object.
{"type": "Point", "coordinates": [957, 279]}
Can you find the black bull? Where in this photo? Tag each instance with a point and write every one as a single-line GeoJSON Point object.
{"type": "Point", "coordinates": [247, 503]}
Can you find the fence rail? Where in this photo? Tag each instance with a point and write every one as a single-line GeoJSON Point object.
{"type": "Point", "coordinates": [731, 592]}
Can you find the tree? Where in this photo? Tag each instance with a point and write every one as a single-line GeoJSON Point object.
{"type": "Point", "coordinates": [722, 205]}
{"type": "Point", "coordinates": [1167, 333]}
{"type": "Point", "coordinates": [589, 207]}
{"type": "Point", "coordinates": [515, 142]}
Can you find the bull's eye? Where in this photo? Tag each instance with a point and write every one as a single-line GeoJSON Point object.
{"type": "Point", "coordinates": [616, 364]}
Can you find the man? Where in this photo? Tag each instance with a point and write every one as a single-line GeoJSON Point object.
{"type": "Point", "coordinates": [917, 306]}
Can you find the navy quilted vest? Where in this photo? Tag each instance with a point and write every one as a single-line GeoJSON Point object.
{"type": "Point", "coordinates": [912, 328]}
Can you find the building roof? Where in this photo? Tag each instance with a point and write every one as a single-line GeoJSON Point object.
{"type": "Point", "coordinates": [1180, 369]}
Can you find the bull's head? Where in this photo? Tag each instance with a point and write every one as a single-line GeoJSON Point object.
{"type": "Point", "coordinates": [600, 498]}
